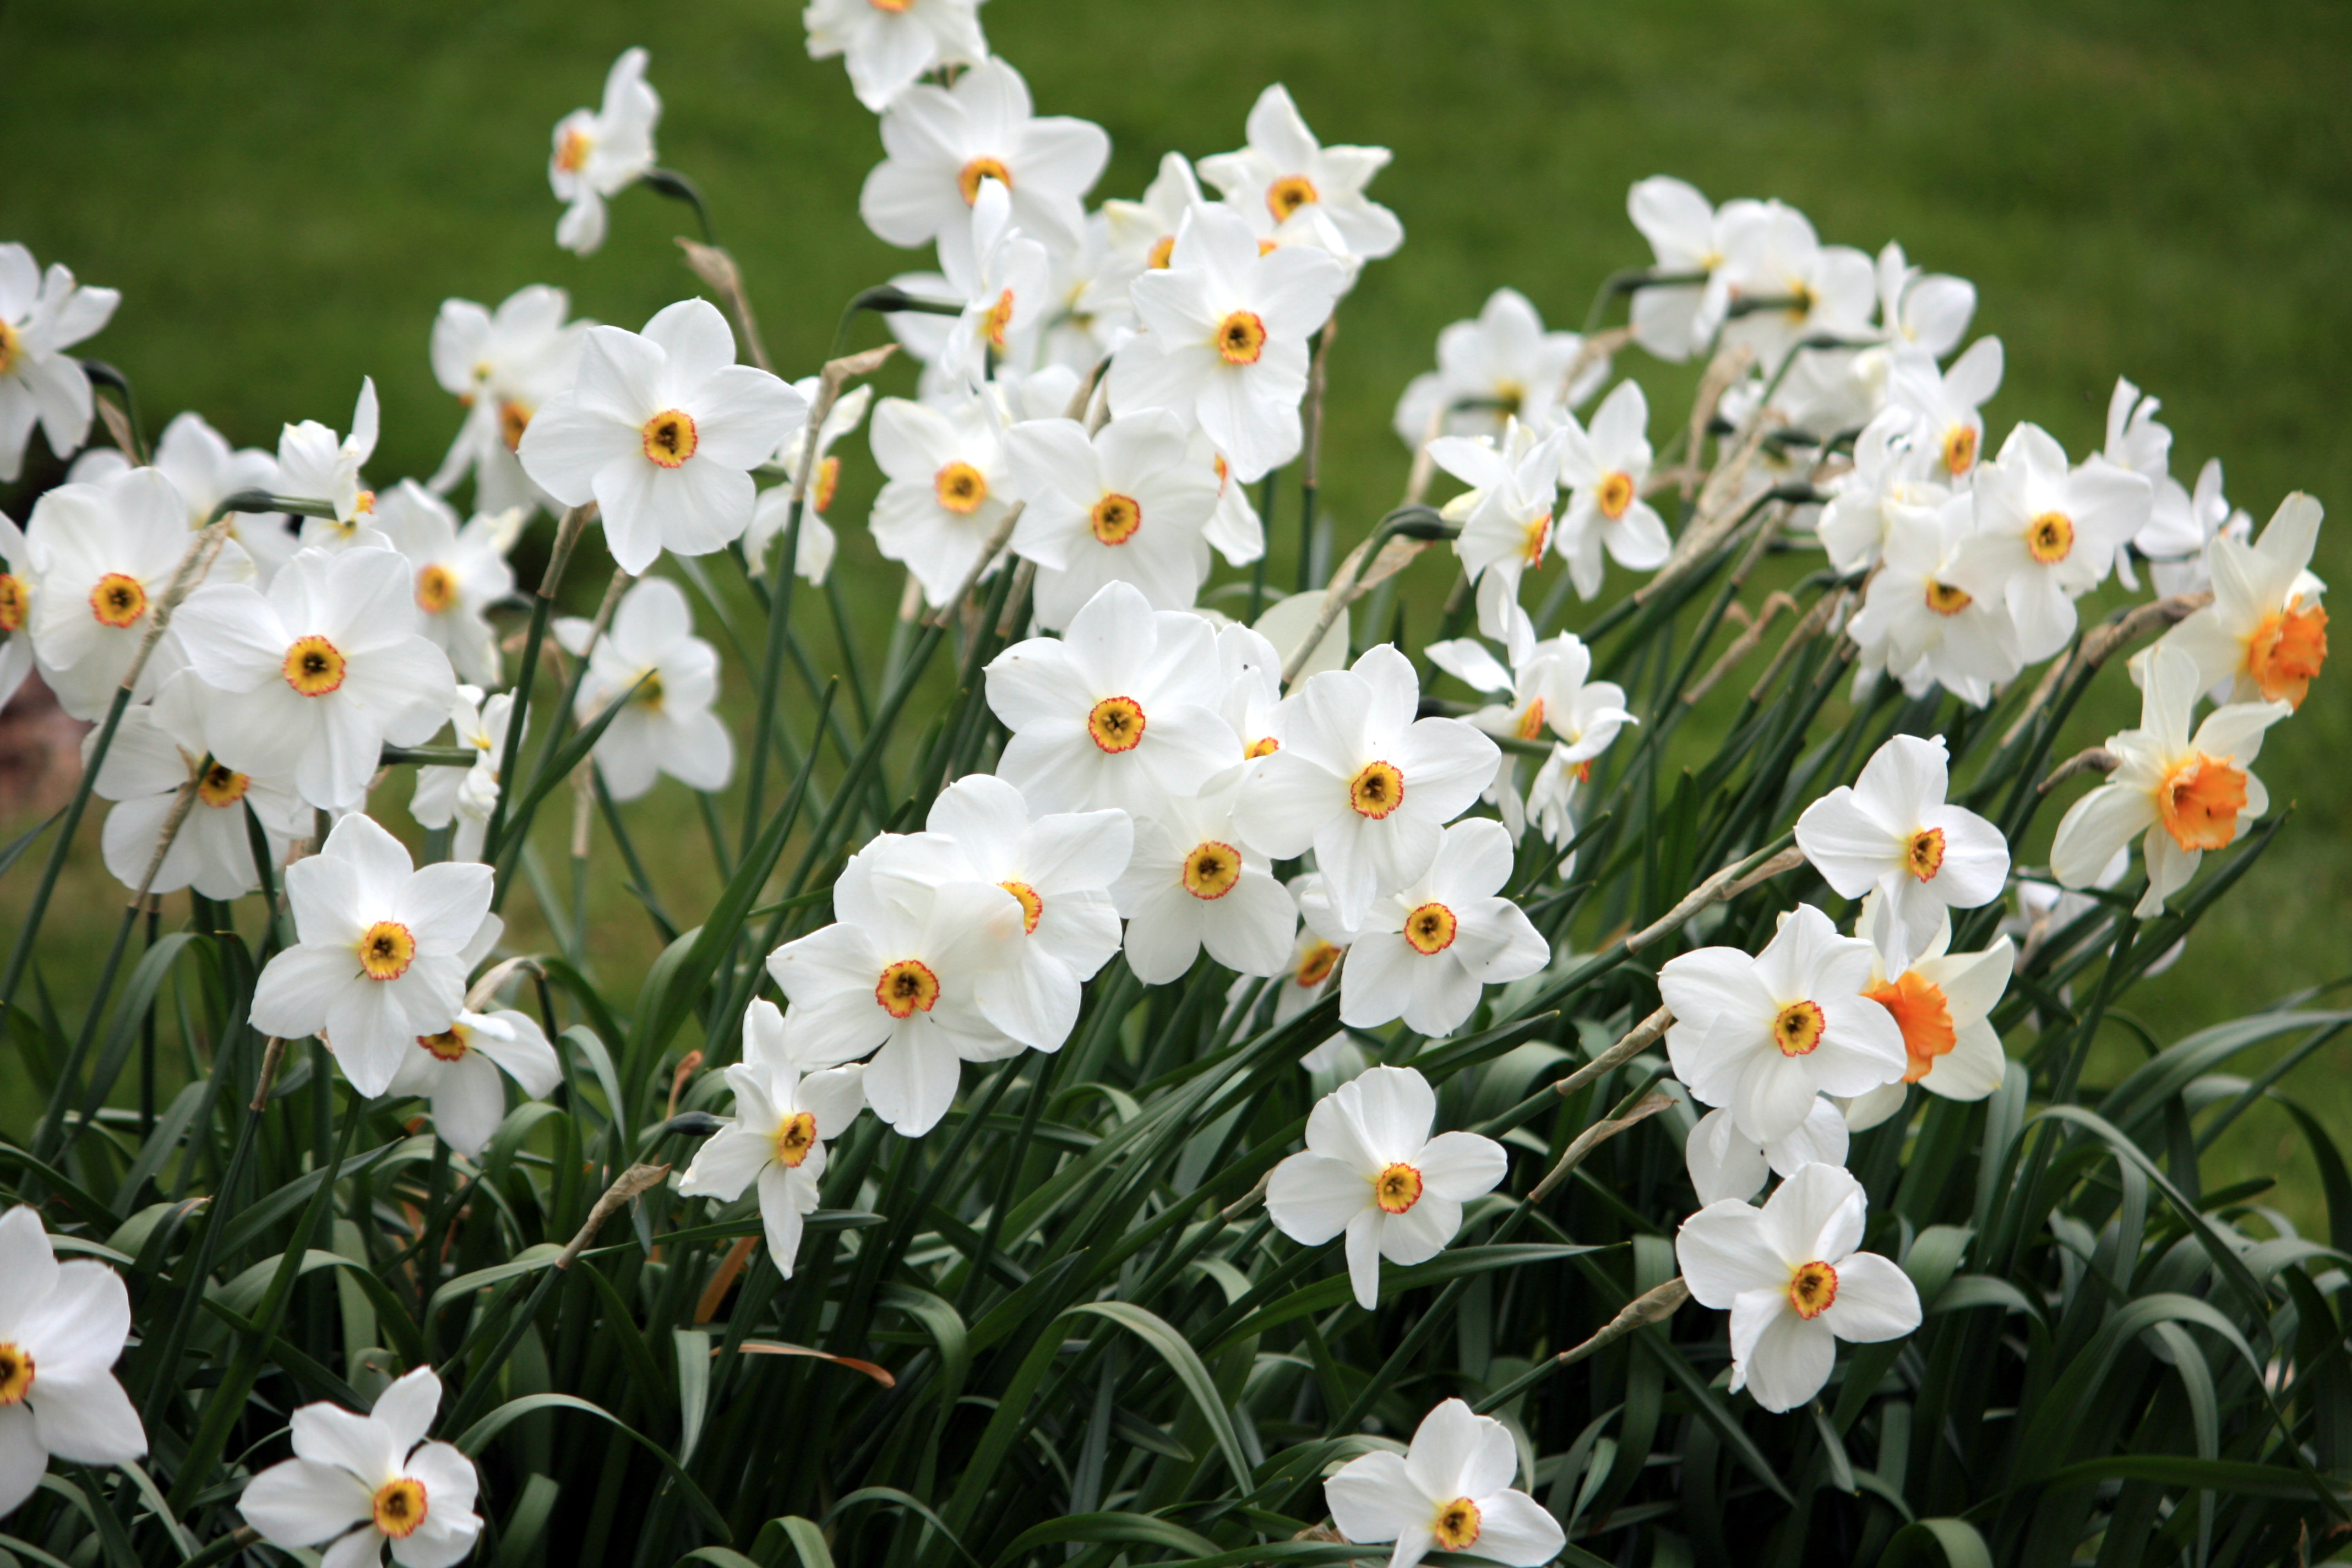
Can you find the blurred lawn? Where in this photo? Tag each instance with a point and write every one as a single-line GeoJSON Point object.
{"type": "Point", "coordinates": [285, 193]}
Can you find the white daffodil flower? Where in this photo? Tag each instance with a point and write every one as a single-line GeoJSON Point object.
{"type": "Point", "coordinates": [942, 142]}
{"type": "Point", "coordinates": [1917, 623]}
{"type": "Point", "coordinates": [313, 679]}
{"type": "Point", "coordinates": [1919, 310]}
{"type": "Point", "coordinates": [2187, 793]}
{"type": "Point", "coordinates": [2045, 534]}
{"type": "Point", "coordinates": [597, 154]}
{"type": "Point", "coordinates": [1194, 883]}
{"type": "Point", "coordinates": [1144, 232]}
{"type": "Point", "coordinates": [1285, 170]}
{"type": "Point", "coordinates": [1945, 402]}
{"type": "Point", "coordinates": [1773, 260]}
{"type": "Point", "coordinates": [1892, 831]}
{"type": "Point", "coordinates": [946, 488]}
{"type": "Point", "coordinates": [1942, 1001]}
{"type": "Point", "coordinates": [1092, 310]}
{"type": "Point", "coordinates": [650, 659]}
{"type": "Point", "coordinates": [1252, 669]}
{"type": "Point", "coordinates": [1363, 782]}
{"type": "Point", "coordinates": [1450, 1491]}
{"type": "Point", "coordinates": [1004, 279]}
{"type": "Point", "coordinates": [1423, 952]}
{"type": "Point", "coordinates": [18, 579]}
{"type": "Point", "coordinates": [502, 365]}
{"type": "Point", "coordinates": [2215, 519]}
{"type": "Point", "coordinates": [1127, 505]}
{"type": "Point", "coordinates": [2265, 634]}
{"type": "Point", "coordinates": [368, 1482]}
{"type": "Point", "coordinates": [380, 959]}
{"type": "Point", "coordinates": [1761, 1036]}
{"type": "Point", "coordinates": [1235, 530]}
{"type": "Point", "coordinates": [1725, 1162]}
{"type": "Point", "coordinates": [206, 470]}
{"type": "Point", "coordinates": [782, 1122]}
{"type": "Point", "coordinates": [2137, 443]}
{"type": "Point", "coordinates": [1548, 693]}
{"type": "Point", "coordinates": [1122, 710]}
{"type": "Point", "coordinates": [1794, 1285]}
{"type": "Point", "coordinates": [145, 770]}
{"type": "Point", "coordinates": [315, 464]}
{"type": "Point", "coordinates": [1226, 329]}
{"type": "Point", "coordinates": [1501, 366]}
{"type": "Point", "coordinates": [457, 1071]}
{"type": "Point", "coordinates": [460, 573]}
{"type": "Point", "coordinates": [1371, 1170]}
{"type": "Point", "coordinates": [1684, 230]}
{"type": "Point", "coordinates": [41, 317]}
{"type": "Point", "coordinates": [62, 1328]}
{"type": "Point", "coordinates": [662, 430]}
{"type": "Point", "coordinates": [1505, 515]}
{"type": "Point", "coordinates": [813, 558]}
{"type": "Point", "coordinates": [1889, 471]}
{"type": "Point", "coordinates": [1605, 470]}
{"type": "Point", "coordinates": [467, 795]}
{"type": "Point", "coordinates": [1314, 961]}
{"type": "Point", "coordinates": [899, 977]}
{"type": "Point", "coordinates": [889, 47]}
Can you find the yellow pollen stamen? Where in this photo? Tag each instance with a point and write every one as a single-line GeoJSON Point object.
{"type": "Point", "coordinates": [514, 418]}
{"type": "Point", "coordinates": [453, 1044]}
{"type": "Point", "coordinates": [2050, 538]}
{"type": "Point", "coordinates": [16, 1373]}
{"type": "Point", "coordinates": [2200, 800]}
{"type": "Point", "coordinates": [313, 666]}
{"type": "Point", "coordinates": [1264, 746]}
{"type": "Point", "coordinates": [1397, 1188]}
{"type": "Point", "coordinates": [1535, 536]}
{"type": "Point", "coordinates": [1811, 1288]}
{"type": "Point", "coordinates": [1240, 338]}
{"type": "Point", "coordinates": [10, 345]}
{"type": "Point", "coordinates": [1315, 965]}
{"type": "Point", "coordinates": [1924, 1015]}
{"type": "Point", "coordinates": [1211, 870]}
{"type": "Point", "coordinates": [960, 487]}
{"type": "Point", "coordinates": [220, 788]}
{"type": "Point", "coordinates": [118, 601]}
{"type": "Point", "coordinates": [828, 480]}
{"type": "Point", "coordinates": [1033, 906]}
{"type": "Point", "coordinates": [1162, 249]}
{"type": "Point", "coordinates": [1429, 928]}
{"type": "Point", "coordinates": [14, 602]}
{"type": "Point", "coordinates": [386, 950]}
{"type": "Point", "coordinates": [1510, 396]}
{"type": "Point", "coordinates": [1959, 449]}
{"type": "Point", "coordinates": [400, 1506]}
{"type": "Point", "coordinates": [1116, 518]}
{"type": "Point", "coordinates": [795, 1139]}
{"type": "Point", "coordinates": [907, 987]}
{"type": "Point", "coordinates": [572, 155]}
{"type": "Point", "coordinates": [670, 437]}
{"type": "Point", "coordinates": [1115, 723]}
{"type": "Point", "coordinates": [364, 505]}
{"type": "Point", "coordinates": [2285, 653]}
{"type": "Point", "coordinates": [1922, 855]}
{"type": "Point", "coordinates": [1377, 790]}
{"type": "Point", "coordinates": [895, 7]}
{"type": "Point", "coordinates": [1613, 494]}
{"type": "Point", "coordinates": [1456, 1525]}
{"type": "Point", "coordinates": [1287, 194]}
{"type": "Point", "coordinates": [999, 317]}
{"type": "Point", "coordinates": [436, 588]}
{"type": "Point", "coordinates": [968, 179]}
{"type": "Point", "coordinates": [1947, 600]}
{"type": "Point", "coordinates": [1531, 722]}
{"type": "Point", "coordinates": [1797, 1030]}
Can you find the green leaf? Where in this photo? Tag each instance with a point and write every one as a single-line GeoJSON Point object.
{"type": "Point", "coordinates": [1127, 1529]}
{"type": "Point", "coordinates": [479, 1435]}
{"type": "Point", "coordinates": [1190, 1372]}
{"type": "Point", "coordinates": [1956, 1540]}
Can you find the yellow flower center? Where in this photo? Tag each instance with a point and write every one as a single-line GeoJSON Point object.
{"type": "Point", "coordinates": [828, 480]}
{"type": "Point", "coordinates": [1531, 722]}
{"type": "Point", "coordinates": [1315, 965]}
{"type": "Point", "coordinates": [313, 666]}
{"type": "Point", "coordinates": [1922, 855]}
{"type": "Point", "coordinates": [2050, 538]}
{"type": "Point", "coordinates": [1615, 494]}
{"type": "Point", "coordinates": [1162, 249]}
{"type": "Point", "coordinates": [1288, 194]}
{"type": "Point", "coordinates": [1212, 869]}
{"type": "Point", "coordinates": [571, 156]}
{"type": "Point", "coordinates": [1533, 535]}
{"type": "Point", "coordinates": [1959, 449]}
{"type": "Point", "coordinates": [2285, 653]}
{"type": "Point", "coordinates": [999, 317]}
{"type": "Point", "coordinates": [118, 600]}
{"type": "Point", "coordinates": [1456, 1524]}
{"type": "Point", "coordinates": [670, 437]}
{"type": "Point", "coordinates": [1033, 907]}
{"type": "Point", "coordinates": [1510, 396]}
{"type": "Point", "coordinates": [1240, 338]}
{"type": "Point", "coordinates": [514, 418]}
{"type": "Point", "coordinates": [436, 588]}
{"type": "Point", "coordinates": [1796, 1028]}
{"type": "Point", "coordinates": [895, 7]}
{"type": "Point", "coordinates": [1947, 600]}
{"type": "Point", "coordinates": [2200, 800]}
{"type": "Point", "coordinates": [451, 1045]}
{"type": "Point", "coordinates": [363, 505]}
{"type": "Point", "coordinates": [1429, 928]}
{"type": "Point", "coordinates": [1397, 1188]}
{"type": "Point", "coordinates": [220, 788]}
{"type": "Point", "coordinates": [13, 602]}
{"type": "Point", "coordinates": [960, 487]}
{"type": "Point", "coordinates": [907, 987]}
{"type": "Point", "coordinates": [1377, 790]}
{"type": "Point", "coordinates": [9, 345]}
{"type": "Point", "coordinates": [1115, 723]}
{"type": "Point", "coordinates": [649, 694]}
{"type": "Point", "coordinates": [1811, 1288]}
{"type": "Point", "coordinates": [1116, 518]}
{"type": "Point", "coordinates": [1264, 746]}
{"type": "Point", "coordinates": [968, 179]}
{"type": "Point", "coordinates": [1924, 1015]}
{"type": "Point", "coordinates": [386, 950]}
{"type": "Point", "coordinates": [795, 1137]}
{"type": "Point", "coordinates": [15, 1362]}
{"type": "Point", "coordinates": [400, 1506]}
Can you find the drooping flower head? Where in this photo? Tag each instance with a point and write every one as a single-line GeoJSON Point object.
{"type": "Point", "coordinates": [598, 153]}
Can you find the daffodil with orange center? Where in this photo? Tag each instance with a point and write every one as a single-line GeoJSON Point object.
{"type": "Point", "coordinates": [598, 153]}
{"type": "Point", "coordinates": [145, 770]}
{"type": "Point", "coordinates": [370, 1483]}
{"type": "Point", "coordinates": [62, 1328]}
{"type": "Point", "coordinates": [1194, 884]}
{"type": "Point", "coordinates": [2266, 633]}
{"type": "Point", "coordinates": [1893, 831]}
{"type": "Point", "coordinates": [1450, 1491]}
{"type": "Point", "coordinates": [1126, 504]}
{"type": "Point", "coordinates": [1605, 467]}
{"type": "Point", "coordinates": [462, 1071]}
{"type": "Point", "coordinates": [502, 365]}
{"type": "Point", "coordinates": [1505, 515]}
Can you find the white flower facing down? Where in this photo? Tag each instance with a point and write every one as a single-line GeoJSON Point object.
{"type": "Point", "coordinates": [41, 317]}
{"type": "Point", "coordinates": [1793, 1283]}
{"type": "Point", "coordinates": [887, 48]}
{"type": "Point", "coordinates": [458, 1071]}
{"type": "Point", "coordinates": [1362, 782]}
{"type": "Point", "coordinates": [1194, 883]}
{"type": "Point", "coordinates": [1226, 337]}
{"type": "Point", "coordinates": [1122, 710]}
{"type": "Point", "coordinates": [1450, 1491]}
{"type": "Point", "coordinates": [650, 659]}
{"type": "Point", "coordinates": [1725, 1162]}
{"type": "Point", "coordinates": [662, 430]}
{"type": "Point", "coordinates": [1505, 515]}
{"type": "Point", "coordinates": [814, 557]}
{"type": "Point", "coordinates": [1501, 366]}
{"type": "Point", "coordinates": [381, 952]}
{"type": "Point", "coordinates": [460, 573]}
{"type": "Point", "coordinates": [1004, 279]}
{"type": "Point", "coordinates": [467, 795]}
{"type": "Point", "coordinates": [1605, 469]}
{"type": "Point", "coordinates": [1126, 505]}
{"type": "Point", "coordinates": [1371, 1170]}
{"type": "Point", "coordinates": [2266, 633]}
{"type": "Point", "coordinates": [145, 771]}
{"type": "Point", "coordinates": [1290, 174]}
{"type": "Point", "coordinates": [941, 143]}
{"type": "Point", "coordinates": [597, 154]}
{"type": "Point", "coordinates": [1892, 831]}
{"type": "Point", "coordinates": [2181, 794]}
{"type": "Point", "coordinates": [1423, 952]}
{"type": "Point", "coordinates": [782, 1122]}
{"type": "Point", "coordinates": [1761, 1036]}
{"type": "Point", "coordinates": [312, 679]}
{"type": "Point", "coordinates": [315, 464]}
{"type": "Point", "coordinates": [1684, 230]}
{"type": "Point", "coordinates": [502, 365]}
{"type": "Point", "coordinates": [946, 491]}
{"type": "Point", "coordinates": [62, 1328]}
{"type": "Point", "coordinates": [366, 1482]}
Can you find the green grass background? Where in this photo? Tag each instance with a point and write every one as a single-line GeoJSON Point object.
{"type": "Point", "coordinates": [285, 193]}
